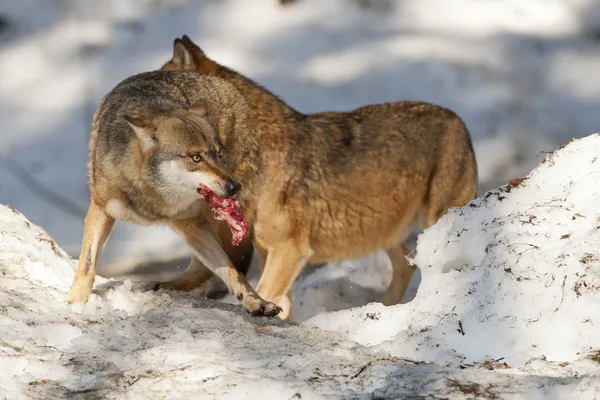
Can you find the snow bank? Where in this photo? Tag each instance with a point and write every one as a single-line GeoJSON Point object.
{"type": "Point", "coordinates": [127, 343]}
{"type": "Point", "coordinates": [514, 275]}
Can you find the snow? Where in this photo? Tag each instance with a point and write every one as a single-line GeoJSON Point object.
{"type": "Point", "coordinates": [521, 74]}
{"type": "Point", "coordinates": [506, 309]}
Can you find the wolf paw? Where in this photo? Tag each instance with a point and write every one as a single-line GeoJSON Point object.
{"type": "Point", "coordinates": [259, 307]}
{"type": "Point", "coordinates": [77, 294]}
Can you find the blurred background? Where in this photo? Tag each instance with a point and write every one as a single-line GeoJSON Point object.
{"type": "Point", "coordinates": [523, 74]}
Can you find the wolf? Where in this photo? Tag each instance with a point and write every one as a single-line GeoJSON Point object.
{"type": "Point", "coordinates": [172, 148]}
{"type": "Point", "coordinates": [345, 184]}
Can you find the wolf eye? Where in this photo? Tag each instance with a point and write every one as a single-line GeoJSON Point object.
{"type": "Point", "coordinates": [196, 157]}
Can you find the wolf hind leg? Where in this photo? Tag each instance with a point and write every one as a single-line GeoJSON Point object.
{"type": "Point", "coordinates": [194, 276]}
{"type": "Point", "coordinates": [402, 273]}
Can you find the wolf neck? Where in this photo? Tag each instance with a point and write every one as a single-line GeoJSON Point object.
{"type": "Point", "coordinates": [263, 103]}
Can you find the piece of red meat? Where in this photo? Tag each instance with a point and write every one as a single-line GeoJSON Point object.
{"type": "Point", "coordinates": [228, 210]}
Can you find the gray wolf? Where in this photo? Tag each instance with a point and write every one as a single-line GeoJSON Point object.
{"type": "Point", "coordinates": [171, 148]}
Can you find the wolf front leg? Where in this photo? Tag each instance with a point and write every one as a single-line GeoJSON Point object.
{"type": "Point", "coordinates": [98, 226]}
{"type": "Point", "coordinates": [205, 244]}
{"type": "Point", "coordinates": [283, 265]}
{"type": "Point", "coordinates": [197, 274]}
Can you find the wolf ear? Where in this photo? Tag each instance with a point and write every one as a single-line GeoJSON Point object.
{"type": "Point", "coordinates": [200, 108]}
{"type": "Point", "coordinates": [182, 57]}
{"type": "Point", "coordinates": [144, 129]}
{"type": "Point", "coordinates": [192, 47]}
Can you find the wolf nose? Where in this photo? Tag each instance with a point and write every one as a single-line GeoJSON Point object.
{"type": "Point", "coordinates": [232, 188]}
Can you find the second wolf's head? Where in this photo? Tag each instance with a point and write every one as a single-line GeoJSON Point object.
{"type": "Point", "coordinates": [182, 153]}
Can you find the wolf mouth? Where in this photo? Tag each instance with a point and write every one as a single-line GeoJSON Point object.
{"type": "Point", "coordinates": [228, 210]}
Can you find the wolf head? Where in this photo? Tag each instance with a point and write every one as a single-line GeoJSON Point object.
{"type": "Point", "coordinates": [188, 56]}
{"type": "Point", "coordinates": [182, 153]}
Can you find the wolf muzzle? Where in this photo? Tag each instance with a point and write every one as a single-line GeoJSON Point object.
{"type": "Point", "coordinates": [232, 187]}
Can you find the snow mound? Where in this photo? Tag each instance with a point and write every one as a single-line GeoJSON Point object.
{"type": "Point", "coordinates": [514, 275]}
{"type": "Point", "coordinates": [127, 343]}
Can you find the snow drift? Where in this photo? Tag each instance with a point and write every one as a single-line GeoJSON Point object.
{"type": "Point", "coordinates": [510, 294]}
{"type": "Point", "coordinates": [514, 275]}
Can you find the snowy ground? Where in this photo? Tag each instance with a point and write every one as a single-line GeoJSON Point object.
{"type": "Point", "coordinates": [508, 309]}
{"type": "Point", "coordinates": [521, 73]}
